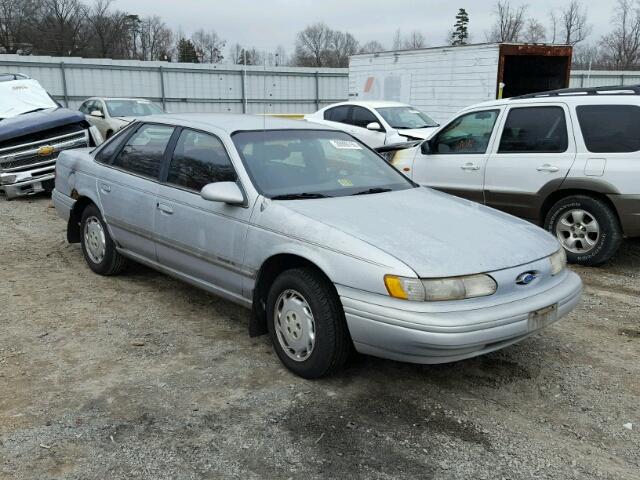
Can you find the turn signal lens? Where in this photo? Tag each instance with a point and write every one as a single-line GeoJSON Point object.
{"type": "Point", "coordinates": [558, 261]}
{"type": "Point", "coordinates": [404, 288]}
{"type": "Point", "coordinates": [459, 288]}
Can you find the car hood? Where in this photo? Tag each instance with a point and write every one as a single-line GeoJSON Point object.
{"type": "Point", "coordinates": [435, 234]}
{"type": "Point", "coordinates": [421, 133]}
{"type": "Point", "coordinates": [39, 121]}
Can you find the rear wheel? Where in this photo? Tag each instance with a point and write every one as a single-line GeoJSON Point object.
{"type": "Point", "coordinates": [306, 323]}
{"type": "Point", "coordinates": [586, 227]}
{"type": "Point", "coordinates": [97, 246]}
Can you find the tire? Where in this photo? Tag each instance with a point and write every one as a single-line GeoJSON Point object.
{"type": "Point", "coordinates": [331, 343]}
{"type": "Point", "coordinates": [94, 233]}
{"type": "Point", "coordinates": [588, 224]}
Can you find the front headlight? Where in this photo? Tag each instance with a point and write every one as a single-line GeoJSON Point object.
{"type": "Point", "coordinates": [440, 289]}
{"type": "Point", "coordinates": [558, 261]}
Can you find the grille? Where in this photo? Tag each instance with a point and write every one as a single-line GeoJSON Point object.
{"type": "Point", "coordinates": [29, 155]}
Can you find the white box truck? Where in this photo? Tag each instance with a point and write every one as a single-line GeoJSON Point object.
{"type": "Point", "coordinates": [442, 80]}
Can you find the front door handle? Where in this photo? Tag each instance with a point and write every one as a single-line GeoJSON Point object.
{"type": "Point", "coordinates": [470, 166]}
{"type": "Point", "coordinates": [547, 168]}
{"type": "Point", "coordinates": [105, 188]}
{"type": "Point", "coordinates": [166, 209]}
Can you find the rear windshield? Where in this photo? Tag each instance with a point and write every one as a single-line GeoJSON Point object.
{"type": "Point", "coordinates": [610, 128]}
{"type": "Point", "coordinates": [314, 162]}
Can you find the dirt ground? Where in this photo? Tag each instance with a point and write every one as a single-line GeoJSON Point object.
{"type": "Point", "coordinates": [141, 376]}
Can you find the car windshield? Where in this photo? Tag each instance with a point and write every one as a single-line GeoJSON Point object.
{"type": "Point", "coordinates": [132, 108]}
{"type": "Point", "coordinates": [406, 117]}
{"type": "Point", "coordinates": [293, 164]}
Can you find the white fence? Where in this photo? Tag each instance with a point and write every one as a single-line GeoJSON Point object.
{"type": "Point", "coordinates": [599, 78]}
{"type": "Point", "coordinates": [183, 87]}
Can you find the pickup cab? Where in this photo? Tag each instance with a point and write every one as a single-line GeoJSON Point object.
{"type": "Point", "coordinates": [34, 129]}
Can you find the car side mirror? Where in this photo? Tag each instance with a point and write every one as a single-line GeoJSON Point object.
{"type": "Point", "coordinates": [97, 113]}
{"type": "Point", "coordinates": [375, 126]}
{"type": "Point", "coordinates": [426, 148]}
{"type": "Point", "coordinates": [223, 192]}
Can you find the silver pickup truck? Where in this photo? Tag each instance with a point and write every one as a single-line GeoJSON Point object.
{"type": "Point", "coordinates": [34, 129]}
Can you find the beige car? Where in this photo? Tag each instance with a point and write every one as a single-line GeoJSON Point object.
{"type": "Point", "coordinates": [111, 114]}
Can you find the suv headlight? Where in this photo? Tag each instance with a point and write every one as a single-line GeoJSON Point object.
{"type": "Point", "coordinates": [440, 289]}
{"type": "Point", "coordinates": [558, 261]}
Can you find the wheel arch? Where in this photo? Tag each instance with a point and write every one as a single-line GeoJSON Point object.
{"type": "Point", "coordinates": [558, 195]}
{"type": "Point", "coordinates": [269, 270]}
{"type": "Point", "coordinates": [75, 216]}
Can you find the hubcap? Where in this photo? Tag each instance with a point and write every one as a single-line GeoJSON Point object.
{"type": "Point", "coordinates": [94, 239]}
{"type": "Point", "coordinates": [578, 231]}
{"type": "Point", "coordinates": [294, 325]}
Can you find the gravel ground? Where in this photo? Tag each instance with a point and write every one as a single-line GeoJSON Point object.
{"type": "Point", "coordinates": [141, 376]}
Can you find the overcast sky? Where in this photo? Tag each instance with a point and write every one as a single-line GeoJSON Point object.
{"type": "Point", "coordinates": [269, 23]}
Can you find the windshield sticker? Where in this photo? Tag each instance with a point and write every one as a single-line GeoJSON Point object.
{"type": "Point", "coordinates": [345, 182]}
{"type": "Point", "coordinates": [345, 145]}
{"type": "Point", "coordinates": [414, 111]}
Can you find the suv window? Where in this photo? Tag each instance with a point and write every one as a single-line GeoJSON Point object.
{"type": "Point", "coordinates": [144, 151]}
{"type": "Point", "coordinates": [361, 117]}
{"type": "Point", "coordinates": [535, 130]}
{"type": "Point", "coordinates": [199, 159]}
{"type": "Point", "coordinates": [338, 114]}
{"type": "Point", "coordinates": [469, 133]}
{"type": "Point", "coordinates": [610, 128]}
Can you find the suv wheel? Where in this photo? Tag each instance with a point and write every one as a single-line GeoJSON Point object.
{"type": "Point", "coordinates": [586, 227]}
{"type": "Point", "coordinates": [306, 323]}
{"type": "Point", "coordinates": [97, 246]}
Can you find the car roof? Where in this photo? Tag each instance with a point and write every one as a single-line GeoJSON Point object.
{"type": "Point", "coordinates": [232, 122]}
{"type": "Point", "coordinates": [371, 103]}
{"type": "Point", "coordinates": [136, 99]}
{"type": "Point", "coordinates": [581, 99]}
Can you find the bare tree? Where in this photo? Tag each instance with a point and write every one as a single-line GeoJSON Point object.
{"type": "Point", "coordinates": [209, 46]}
{"type": "Point", "coordinates": [573, 21]}
{"type": "Point", "coordinates": [60, 28]}
{"type": "Point", "coordinates": [312, 45]}
{"type": "Point", "coordinates": [107, 29]}
{"type": "Point", "coordinates": [621, 48]}
{"type": "Point", "coordinates": [553, 26]}
{"type": "Point", "coordinates": [414, 40]}
{"type": "Point", "coordinates": [342, 46]}
{"type": "Point", "coordinates": [587, 56]}
{"type": "Point", "coordinates": [397, 40]}
{"type": "Point", "coordinates": [534, 31]}
{"type": "Point", "coordinates": [245, 56]}
{"type": "Point", "coordinates": [14, 23]}
{"type": "Point", "coordinates": [509, 24]}
{"type": "Point", "coordinates": [156, 39]}
{"type": "Point", "coordinates": [372, 47]}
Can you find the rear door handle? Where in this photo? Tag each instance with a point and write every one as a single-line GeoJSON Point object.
{"type": "Point", "coordinates": [470, 166]}
{"type": "Point", "coordinates": [547, 168]}
{"type": "Point", "coordinates": [165, 208]}
{"type": "Point", "coordinates": [105, 188]}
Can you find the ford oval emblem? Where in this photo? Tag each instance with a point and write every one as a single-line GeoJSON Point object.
{"type": "Point", "coordinates": [526, 278]}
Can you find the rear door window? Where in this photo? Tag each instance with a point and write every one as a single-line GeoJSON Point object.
{"type": "Point", "coordinates": [199, 159]}
{"type": "Point", "coordinates": [144, 151]}
{"type": "Point", "coordinates": [610, 128]}
{"type": "Point", "coordinates": [338, 114]}
{"type": "Point", "coordinates": [535, 130]}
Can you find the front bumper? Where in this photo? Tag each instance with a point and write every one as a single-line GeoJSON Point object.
{"type": "Point", "coordinates": [27, 182]}
{"type": "Point", "coordinates": [409, 332]}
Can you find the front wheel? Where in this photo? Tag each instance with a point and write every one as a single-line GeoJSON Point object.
{"type": "Point", "coordinates": [306, 323]}
{"type": "Point", "coordinates": [97, 246]}
{"type": "Point", "coordinates": [586, 227]}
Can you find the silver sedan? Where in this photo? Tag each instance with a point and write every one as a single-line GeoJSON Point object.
{"type": "Point", "coordinates": [329, 246]}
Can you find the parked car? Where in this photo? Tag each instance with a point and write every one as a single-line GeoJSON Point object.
{"type": "Point", "coordinates": [376, 123]}
{"type": "Point", "coordinates": [111, 114]}
{"type": "Point", "coordinates": [329, 245]}
{"type": "Point", "coordinates": [568, 160]}
{"type": "Point", "coordinates": [34, 129]}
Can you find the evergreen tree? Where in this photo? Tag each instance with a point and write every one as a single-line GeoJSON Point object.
{"type": "Point", "coordinates": [460, 34]}
{"type": "Point", "coordinates": [187, 51]}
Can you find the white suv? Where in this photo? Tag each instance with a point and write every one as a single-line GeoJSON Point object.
{"type": "Point", "coordinates": [567, 159]}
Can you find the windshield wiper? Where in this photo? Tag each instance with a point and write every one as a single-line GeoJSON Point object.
{"type": "Point", "coordinates": [299, 196]}
{"type": "Point", "coordinates": [372, 190]}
